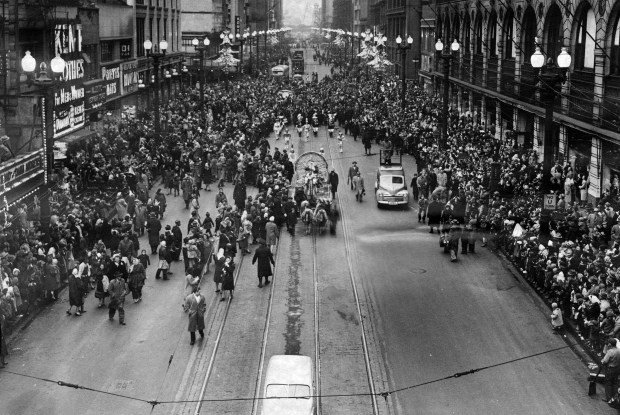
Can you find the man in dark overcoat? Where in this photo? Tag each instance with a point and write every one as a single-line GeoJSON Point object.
{"type": "Point", "coordinates": [153, 226]}
{"type": "Point", "coordinates": [195, 306]}
{"type": "Point", "coordinates": [265, 259]}
{"type": "Point", "coordinates": [333, 182]}
{"type": "Point", "coordinates": [433, 213]}
{"type": "Point", "coordinates": [177, 236]}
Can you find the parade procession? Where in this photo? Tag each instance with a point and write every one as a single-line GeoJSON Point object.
{"type": "Point", "coordinates": [322, 207]}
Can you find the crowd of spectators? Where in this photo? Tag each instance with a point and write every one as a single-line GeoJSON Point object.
{"type": "Point", "coordinates": [104, 193]}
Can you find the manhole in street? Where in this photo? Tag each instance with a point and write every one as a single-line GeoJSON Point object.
{"type": "Point", "coordinates": [417, 271]}
{"type": "Point", "coordinates": [122, 385]}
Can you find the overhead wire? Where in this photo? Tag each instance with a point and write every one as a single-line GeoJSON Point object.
{"type": "Point", "coordinates": [384, 394]}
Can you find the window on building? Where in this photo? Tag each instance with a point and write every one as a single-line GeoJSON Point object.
{"type": "Point", "coordinates": [584, 45]}
{"type": "Point", "coordinates": [492, 34]}
{"type": "Point", "coordinates": [614, 63]}
{"type": "Point", "coordinates": [91, 67]}
{"type": "Point", "coordinates": [151, 38]}
{"type": "Point", "coordinates": [107, 51]}
{"type": "Point", "coordinates": [529, 34]}
{"type": "Point", "coordinates": [466, 34]}
{"type": "Point", "coordinates": [554, 32]}
{"type": "Point", "coordinates": [140, 35]}
{"type": "Point", "coordinates": [447, 32]}
{"type": "Point", "coordinates": [158, 36]}
{"type": "Point", "coordinates": [508, 35]}
{"type": "Point", "coordinates": [478, 35]}
{"type": "Point", "coordinates": [165, 36]}
{"type": "Point", "coordinates": [456, 29]}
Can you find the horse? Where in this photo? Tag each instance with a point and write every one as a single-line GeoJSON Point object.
{"type": "Point", "coordinates": [320, 218]}
{"type": "Point", "coordinates": [307, 217]}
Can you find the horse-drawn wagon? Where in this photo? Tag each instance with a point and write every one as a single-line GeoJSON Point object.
{"type": "Point", "coordinates": [312, 193]}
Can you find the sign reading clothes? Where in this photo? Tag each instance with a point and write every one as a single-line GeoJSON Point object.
{"type": "Point", "coordinates": [69, 96]}
{"type": "Point", "coordinates": [130, 77]}
{"type": "Point", "coordinates": [112, 77]}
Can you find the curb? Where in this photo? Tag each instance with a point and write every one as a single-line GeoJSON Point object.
{"type": "Point", "coordinates": [22, 323]}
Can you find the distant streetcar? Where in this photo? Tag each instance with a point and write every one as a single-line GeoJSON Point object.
{"type": "Point", "coordinates": [298, 62]}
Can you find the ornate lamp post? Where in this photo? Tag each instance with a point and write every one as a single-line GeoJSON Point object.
{"type": "Point", "coordinates": [226, 58]}
{"type": "Point", "coordinates": [184, 75]}
{"type": "Point", "coordinates": [163, 46]}
{"type": "Point", "coordinates": [403, 63]}
{"type": "Point", "coordinates": [168, 78]}
{"type": "Point", "coordinates": [550, 77]}
{"type": "Point", "coordinates": [242, 38]}
{"type": "Point", "coordinates": [445, 55]}
{"type": "Point", "coordinates": [201, 50]}
{"type": "Point", "coordinates": [47, 85]}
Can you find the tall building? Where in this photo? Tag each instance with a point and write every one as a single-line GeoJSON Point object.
{"type": "Point", "coordinates": [102, 46]}
{"type": "Point", "coordinates": [360, 15]}
{"type": "Point", "coordinates": [492, 76]}
{"type": "Point", "coordinates": [342, 15]}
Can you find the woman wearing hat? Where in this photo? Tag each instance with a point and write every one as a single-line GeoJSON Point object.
{"type": "Point", "coordinates": [228, 278]}
{"type": "Point", "coordinates": [271, 233]}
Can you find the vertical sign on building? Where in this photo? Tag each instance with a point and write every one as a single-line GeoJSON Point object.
{"type": "Point", "coordinates": [69, 97]}
{"type": "Point", "coordinates": [129, 73]}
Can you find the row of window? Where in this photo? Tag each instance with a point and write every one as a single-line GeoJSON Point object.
{"type": "Point", "coordinates": [159, 3]}
{"type": "Point", "coordinates": [553, 38]}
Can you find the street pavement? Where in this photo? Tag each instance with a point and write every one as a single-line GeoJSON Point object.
{"type": "Point", "coordinates": [423, 318]}
{"type": "Point", "coordinates": [142, 359]}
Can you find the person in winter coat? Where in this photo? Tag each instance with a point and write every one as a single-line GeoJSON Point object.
{"type": "Point", "coordinates": [333, 182]}
{"type": "Point", "coordinates": [140, 219]}
{"type": "Point", "coordinates": [240, 194]}
{"type": "Point", "coordinates": [118, 289]}
{"type": "Point", "coordinates": [76, 294]}
{"type": "Point", "coordinates": [264, 257]}
{"type": "Point", "coordinates": [557, 321]}
{"type": "Point", "coordinates": [228, 278]}
{"type": "Point", "coordinates": [102, 283]}
{"type": "Point", "coordinates": [220, 198]}
{"type": "Point", "coordinates": [160, 199]}
{"type": "Point", "coordinates": [137, 277]}
{"type": "Point", "coordinates": [218, 272]}
{"type": "Point", "coordinates": [163, 264]}
{"type": "Point", "coordinates": [195, 306]}
{"type": "Point", "coordinates": [153, 227]}
{"type": "Point", "coordinates": [52, 279]}
{"type": "Point", "coordinates": [121, 206]}
{"type": "Point", "coordinates": [271, 233]}
{"type": "Point", "coordinates": [434, 213]}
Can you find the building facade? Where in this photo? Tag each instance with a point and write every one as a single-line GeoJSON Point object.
{"type": "Point", "coordinates": [101, 43]}
{"type": "Point", "coordinates": [492, 76]}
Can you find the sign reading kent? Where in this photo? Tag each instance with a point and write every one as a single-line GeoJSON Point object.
{"type": "Point", "coordinates": [69, 95]}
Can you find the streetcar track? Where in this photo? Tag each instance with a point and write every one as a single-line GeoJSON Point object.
{"type": "Point", "coordinates": [217, 342]}
{"type": "Point", "coordinates": [317, 354]}
{"type": "Point", "coordinates": [263, 350]}
{"type": "Point", "coordinates": [347, 244]}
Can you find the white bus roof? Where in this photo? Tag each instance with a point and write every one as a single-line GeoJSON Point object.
{"type": "Point", "coordinates": [289, 369]}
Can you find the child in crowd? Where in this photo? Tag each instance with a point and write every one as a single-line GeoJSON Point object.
{"type": "Point", "coordinates": [144, 259]}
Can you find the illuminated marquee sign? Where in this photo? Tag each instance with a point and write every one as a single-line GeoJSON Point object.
{"type": "Point", "coordinates": [17, 172]}
{"type": "Point", "coordinates": [69, 95]}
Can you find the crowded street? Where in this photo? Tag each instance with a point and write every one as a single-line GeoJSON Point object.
{"type": "Point", "coordinates": [377, 305]}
